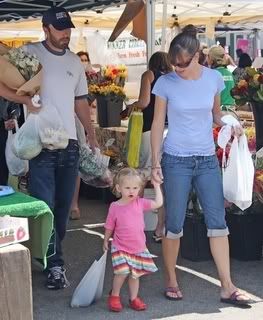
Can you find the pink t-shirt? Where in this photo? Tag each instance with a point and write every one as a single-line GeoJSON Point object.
{"type": "Point", "coordinates": [127, 222]}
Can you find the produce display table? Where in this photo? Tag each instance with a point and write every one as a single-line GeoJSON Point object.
{"type": "Point", "coordinates": [40, 219]}
{"type": "Point", "coordinates": [115, 150]}
{"type": "Point", "coordinates": [246, 118]}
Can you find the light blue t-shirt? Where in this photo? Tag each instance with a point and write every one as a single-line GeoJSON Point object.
{"type": "Point", "coordinates": [189, 110]}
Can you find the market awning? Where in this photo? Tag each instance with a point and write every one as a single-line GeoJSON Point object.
{"type": "Point", "coordinates": [23, 9]}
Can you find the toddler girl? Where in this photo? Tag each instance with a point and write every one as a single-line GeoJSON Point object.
{"type": "Point", "coordinates": [130, 257]}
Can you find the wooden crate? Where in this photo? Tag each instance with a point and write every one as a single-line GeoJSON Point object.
{"type": "Point", "coordinates": [15, 283]}
{"type": "Point", "coordinates": [246, 118]}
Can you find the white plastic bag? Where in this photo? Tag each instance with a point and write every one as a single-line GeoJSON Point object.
{"type": "Point", "coordinates": [16, 166]}
{"type": "Point", "coordinates": [51, 131]}
{"type": "Point", "coordinates": [238, 174]}
{"type": "Point", "coordinates": [90, 287]}
{"type": "Point", "coordinates": [27, 144]}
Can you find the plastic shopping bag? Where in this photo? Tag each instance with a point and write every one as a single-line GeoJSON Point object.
{"type": "Point", "coordinates": [90, 287]}
{"type": "Point", "coordinates": [27, 144]}
{"type": "Point", "coordinates": [51, 131]}
{"type": "Point", "coordinates": [93, 167]}
{"type": "Point", "coordinates": [238, 174]}
{"type": "Point", "coordinates": [133, 139]}
{"type": "Point", "coordinates": [16, 166]}
{"type": "Point", "coordinates": [259, 159]}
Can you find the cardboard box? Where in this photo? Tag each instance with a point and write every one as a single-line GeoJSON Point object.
{"type": "Point", "coordinates": [13, 230]}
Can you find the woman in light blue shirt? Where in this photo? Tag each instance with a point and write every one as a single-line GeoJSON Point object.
{"type": "Point", "coordinates": [190, 97]}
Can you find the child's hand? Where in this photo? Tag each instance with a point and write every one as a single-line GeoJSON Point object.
{"type": "Point", "coordinates": [105, 246]}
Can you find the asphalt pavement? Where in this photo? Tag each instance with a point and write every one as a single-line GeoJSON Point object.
{"type": "Point", "coordinates": [198, 282]}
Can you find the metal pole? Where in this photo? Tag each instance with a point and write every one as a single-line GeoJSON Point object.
{"type": "Point", "coordinates": [150, 13]}
{"type": "Point", "coordinates": [164, 18]}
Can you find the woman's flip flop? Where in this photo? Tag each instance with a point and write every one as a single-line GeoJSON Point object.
{"type": "Point", "coordinates": [172, 290]}
{"type": "Point", "coordinates": [233, 299]}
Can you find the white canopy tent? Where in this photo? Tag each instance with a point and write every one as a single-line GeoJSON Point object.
{"type": "Point", "coordinates": [244, 14]}
{"type": "Point", "coordinates": [161, 15]}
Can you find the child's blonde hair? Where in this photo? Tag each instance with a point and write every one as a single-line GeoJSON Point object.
{"type": "Point", "coordinates": [124, 173]}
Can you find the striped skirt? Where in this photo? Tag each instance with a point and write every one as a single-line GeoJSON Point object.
{"type": "Point", "coordinates": [136, 265]}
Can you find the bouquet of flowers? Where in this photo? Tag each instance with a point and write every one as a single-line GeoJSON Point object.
{"type": "Point", "coordinates": [251, 139]}
{"type": "Point", "coordinates": [19, 70]}
{"type": "Point", "coordinates": [250, 88]}
{"type": "Point", "coordinates": [116, 74]}
{"type": "Point", "coordinates": [109, 81]}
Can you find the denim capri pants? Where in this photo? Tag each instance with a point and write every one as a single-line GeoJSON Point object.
{"type": "Point", "coordinates": [203, 174]}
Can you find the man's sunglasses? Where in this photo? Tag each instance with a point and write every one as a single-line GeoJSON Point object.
{"type": "Point", "coordinates": [184, 65]}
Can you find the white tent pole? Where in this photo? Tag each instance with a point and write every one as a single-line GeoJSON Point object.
{"type": "Point", "coordinates": [164, 18]}
{"type": "Point", "coordinates": [258, 43]}
{"type": "Point", "coordinates": [150, 13]}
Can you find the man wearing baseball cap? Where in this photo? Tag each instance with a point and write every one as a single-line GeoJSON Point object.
{"type": "Point", "coordinates": [58, 17]}
{"type": "Point", "coordinates": [53, 173]}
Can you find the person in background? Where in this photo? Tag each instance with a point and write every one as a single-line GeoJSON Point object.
{"type": "Point", "coordinates": [8, 112]}
{"type": "Point", "coordinates": [239, 51]}
{"type": "Point", "coordinates": [190, 97]}
{"type": "Point", "coordinates": [89, 68]}
{"type": "Point", "coordinates": [158, 65]}
{"type": "Point", "coordinates": [53, 173]}
{"type": "Point", "coordinates": [85, 60]}
{"type": "Point", "coordinates": [240, 72]}
{"type": "Point", "coordinates": [203, 53]}
{"type": "Point", "coordinates": [8, 124]}
{"type": "Point", "coordinates": [125, 222]}
{"type": "Point", "coordinates": [217, 60]}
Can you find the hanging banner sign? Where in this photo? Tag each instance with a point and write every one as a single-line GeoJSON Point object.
{"type": "Point", "coordinates": [243, 44]}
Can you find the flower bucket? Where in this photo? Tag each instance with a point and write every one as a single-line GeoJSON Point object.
{"type": "Point", "coordinates": [257, 108]}
{"type": "Point", "coordinates": [194, 243]}
{"type": "Point", "coordinates": [246, 232]}
{"type": "Point", "coordinates": [109, 109]}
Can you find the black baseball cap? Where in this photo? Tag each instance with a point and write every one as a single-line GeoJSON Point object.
{"type": "Point", "coordinates": [58, 17]}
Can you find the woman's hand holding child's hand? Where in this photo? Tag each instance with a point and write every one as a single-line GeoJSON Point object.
{"type": "Point", "coordinates": [157, 175]}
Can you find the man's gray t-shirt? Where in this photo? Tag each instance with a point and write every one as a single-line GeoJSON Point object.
{"type": "Point", "coordinates": [63, 81]}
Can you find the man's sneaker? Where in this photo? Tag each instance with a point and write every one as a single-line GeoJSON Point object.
{"type": "Point", "coordinates": [56, 278]}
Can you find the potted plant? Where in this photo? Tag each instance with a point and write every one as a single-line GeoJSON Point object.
{"type": "Point", "coordinates": [250, 89]}
{"type": "Point", "coordinates": [108, 88]}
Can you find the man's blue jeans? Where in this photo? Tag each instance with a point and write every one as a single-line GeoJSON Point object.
{"type": "Point", "coordinates": [52, 178]}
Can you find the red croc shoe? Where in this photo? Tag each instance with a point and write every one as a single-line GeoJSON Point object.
{"type": "Point", "coordinates": [114, 303]}
{"type": "Point", "coordinates": [137, 304]}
